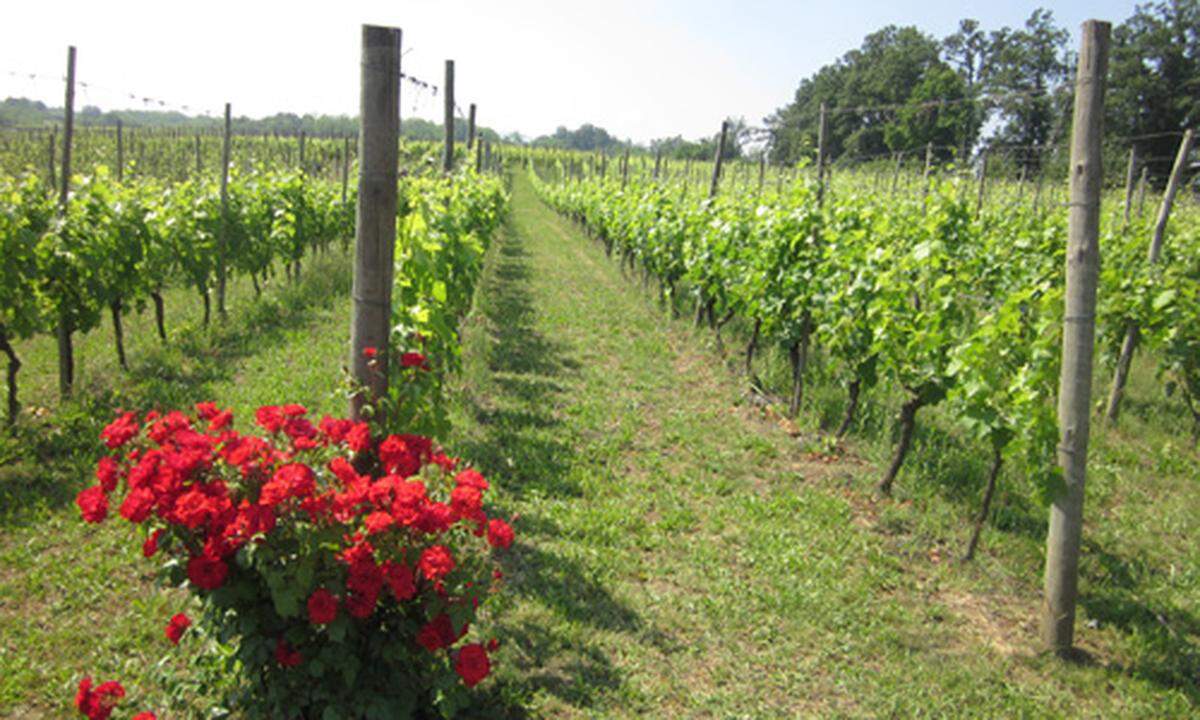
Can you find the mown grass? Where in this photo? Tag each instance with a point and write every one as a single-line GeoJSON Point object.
{"type": "Point", "coordinates": [680, 551]}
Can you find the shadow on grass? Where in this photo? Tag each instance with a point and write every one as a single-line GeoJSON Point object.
{"type": "Point", "coordinates": [515, 435]}
{"type": "Point", "coordinates": [45, 460]}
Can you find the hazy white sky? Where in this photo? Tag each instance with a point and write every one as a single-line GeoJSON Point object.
{"type": "Point", "coordinates": [640, 68]}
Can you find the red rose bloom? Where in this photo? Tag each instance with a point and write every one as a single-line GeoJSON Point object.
{"type": "Point", "coordinates": [176, 626]}
{"type": "Point", "coordinates": [370, 353]}
{"type": "Point", "coordinates": [93, 504]}
{"type": "Point", "coordinates": [98, 704]}
{"type": "Point", "coordinates": [108, 473]}
{"type": "Point", "coordinates": [120, 431]}
{"type": "Point", "coordinates": [399, 579]}
{"type": "Point", "coordinates": [269, 418]}
{"type": "Point", "coordinates": [358, 438]}
{"type": "Point", "coordinates": [137, 505]}
{"type": "Point", "coordinates": [436, 563]}
{"type": "Point", "coordinates": [145, 716]}
{"type": "Point", "coordinates": [207, 573]}
{"type": "Point", "coordinates": [472, 664]}
{"type": "Point", "coordinates": [322, 607]}
{"type": "Point", "coordinates": [499, 533]}
{"type": "Point", "coordinates": [286, 655]}
{"type": "Point", "coordinates": [439, 633]}
{"type": "Point", "coordinates": [151, 545]}
{"type": "Point", "coordinates": [414, 360]}
{"type": "Point", "coordinates": [472, 478]}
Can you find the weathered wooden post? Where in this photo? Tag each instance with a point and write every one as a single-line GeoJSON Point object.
{"type": "Point", "coordinates": [345, 167]}
{"type": "Point", "coordinates": [717, 159]}
{"type": "Point", "coordinates": [1129, 174]}
{"type": "Point", "coordinates": [223, 241]}
{"type": "Point", "coordinates": [375, 224]}
{"type": "Point", "coordinates": [448, 118]}
{"type": "Point", "coordinates": [120, 153]}
{"type": "Point", "coordinates": [1079, 327]}
{"type": "Point", "coordinates": [470, 129]}
{"type": "Point", "coordinates": [66, 352]}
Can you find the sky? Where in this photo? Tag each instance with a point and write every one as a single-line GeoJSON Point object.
{"type": "Point", "coordinates": [642, 69]}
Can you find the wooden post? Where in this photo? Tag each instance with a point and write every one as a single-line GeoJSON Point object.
{"type": "Point", "coordinates": [52, 166]}
{"type": "Point", "coordinates": [983, 168]}
{"type": "Point", "coordinates": [822, 132]}
{"type": "Point", "coordinates": [927, 172]}
{"type": "Point", "coordinates": [66, 352]}
{"type": "Point", "coordinates": [896, 172]}
{"type": "Point", "coordinates": [199, 163]}
{"type": "Point", "coordinates": [657, 163]}
{"type": "Point", "coordinates": [762, 171]}
{"type": "Point", "coordinates": [479, 157]}
{"type": "Point", "coordinates": [1079, 327]}
{"type": "Point", "coordinates": [448, 118]}
{"type": "Point", "coordinates": [1142, 191]}
{"type": "Point", "coordinates": [470, 129]}
{"type": "Point", "coordinates": [487, 154]}
{"type": "Point", "coordinates": [717, 159]}
{"type": "Point", "coordinates": [223, 242]}
{"type": "Point", "coordinates": [1129, 173]}
{"type": "Point", "coordinates": [375, 227]}
{"type": "Point", "coordinates": [1129, 344]}
{"type": "Point", "coordinates": [345, 167]}
{"type": "Point", "coordinates": [301, 163]}
{"type": "Point", "coordinates": [120, 153]}
{"type": "Point", "coordinates": [625, 168]}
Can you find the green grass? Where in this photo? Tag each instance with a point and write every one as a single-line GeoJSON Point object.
{"type": "Point", "coordinates": [679, 551]}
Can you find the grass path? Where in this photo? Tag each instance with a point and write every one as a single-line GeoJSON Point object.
{"type": "Point", "coordinates": [679, 555]}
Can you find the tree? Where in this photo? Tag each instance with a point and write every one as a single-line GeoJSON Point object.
{"type": "Point", "coordinates": [1027, 68]}
{"type": "Point", "coordinates": [1154, 78]}
{"type": "Point", "coordinates": [966, 51]}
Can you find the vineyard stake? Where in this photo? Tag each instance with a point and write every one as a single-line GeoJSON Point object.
{"type": "Point", "coordinates": [120, 153]}
{"type": "Point", "coordinates": [716, 175]}
{"type": "Point", "coordinates": [1129, 173]}
{"type": "Point", "coordinates": [345, 166]}
{"type": "Point", "coordinates": [66, 353]}
{"type": "Point", "coordinates": [471, 129]}
{"type": "Point", "coordinates": [1129, 344]}
{"type": "Point", "coordinates": [983, 168]}
{"type": "Point", "coordinates": [448, 118]}
{"type": "Point", "coordinates": [222, 249]}
{"type": "Point", "coordinates": [822, 132]}
{"type": "Point", "coordinates": [1079, 328]}
{"type": "Point", "coordinates": [375, 226]}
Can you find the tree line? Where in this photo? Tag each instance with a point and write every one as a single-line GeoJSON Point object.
{"type": "Point", "coordinates": [904, 89]}
{"type": "Point", "coordinates": [22, 112]}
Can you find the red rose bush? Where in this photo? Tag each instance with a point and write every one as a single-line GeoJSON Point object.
{"type": "Point", "coordinates": [343, 570]}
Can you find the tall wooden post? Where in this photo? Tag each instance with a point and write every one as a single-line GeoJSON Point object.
{"type": "Point", "coordinates": [301, 163]}
{"type": "Point", "coordinates": [375, 226]}
{"type": "Point", "coordinates": [927, 172]}
{"type": "Point", "coordinates": [53, 164]}
{"type": "Point", "coordinates": [223, 244]}
{"type": "Point", "coordinates": [448, 117]}
{"type": "Point", "coordinates": [657, 163]}
{"type": "Point", "coordinates": [66, 352]}
{"type": "Point", "coordinates": [896, 172]}
{"type": "Point", "coordinates": [120, 152]}
{"type": "Point", "coordinates": [470, 129]}
{"type": "Point", "coordinates": [1129, 180]}
{"type": "Point", "coordinates": [762, 171]}
{"type": "Point", "coordinates": [717, 159]}
{"type": "Point", "coordinates": [1079, 327]}
{"type": "Point", "coordinates": [199, 162]}
{"type": "Point", "coordinates": [345, 167]}
{"type": "Point", "coordinates": [479, 156]}
{"type": "Point", "coordinates": [1129, 344]}
{"type": "Point", "coordinates": [625, 168]}
{"type": "Point", "coordinates": [822, 133]}
{"type": "Point", "coordinates": [983, 168]}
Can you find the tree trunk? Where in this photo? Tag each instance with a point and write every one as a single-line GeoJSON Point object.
{"type": "Point", "coordinates": [699, 311]}
{"type": "Point", "coordinates": [851, 408]}
{"type": "Point", "coordinates": [254, 282]}
{"type": "Point", "coordinates": [751, 348]}
{"type": "Point", "coordinates": [798, 353]}
{"type": "Point", "coordinates": [986, 507]}
{"type": "Point", "coordinates": [207, 307]}
{"type": "Point", "coordinates": [118, 332]}
{"type": "Point", "coordinates": [14, 366]}
{"type": "Point", "coordinates": [158, 314]}
{"type": "Point", "coordinates": [908, 423]}
{"type": "Point", "coordinates": [1128, 346]}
